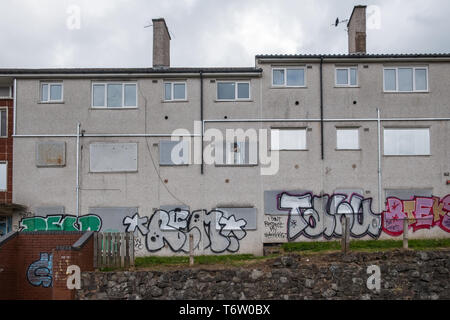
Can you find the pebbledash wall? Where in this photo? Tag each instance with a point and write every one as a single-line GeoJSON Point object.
{"type": "Point", "coordinates": [233, 208]}
{"type": "Point", "coordinates": [34, 265]}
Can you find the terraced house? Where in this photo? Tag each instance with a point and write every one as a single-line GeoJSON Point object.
{"type": "Point", "coordinates": [361, 135]}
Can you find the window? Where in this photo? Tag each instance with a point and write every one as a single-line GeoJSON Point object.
{"type": "Point", "coordinates": [51, 92]}
{"type": "Point", "coordinates": [5, 225]}
{"type": "Point", "coordinates": [406, 142]}
{"type": "Point", "coordinates": [114, 95]}
{"type": "Point", "coordinates": [236, 153]}
{"type": "Point", "coordinates": [346, 77]}
{"type": "Point", "coordinates": [233, 90]}
{"type": "Point", "coordinates": [288, 139]}
{"type": "Point", "coordinates": [347, 139]}
{"type": "Point", "coordinates": [227, 216]}
{"type": "Point", "coordinates": [50, 154]}
{"type": "Point", "coordinates": [174, 91]}
{"type": "Point", "coordinates": [173, 153]}
{"type": "Point", "coordinates": [408, 79]}
{"type": "Point", "coordinates": [3, 122]}
{"type": "Point", "coordinates": [288, 77]}
{"type": "Point", "coordinates": [5, 92]}
{"type": "Point", "coordinates": [3, 176]}
{"type": "Point", "coordinates": [408, 194]}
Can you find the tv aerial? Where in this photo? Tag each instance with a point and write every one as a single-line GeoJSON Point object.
{"type": "Point", "coordinates": [338, 22]}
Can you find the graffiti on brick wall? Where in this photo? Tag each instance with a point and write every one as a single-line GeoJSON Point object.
{"type": "Point", "coordinates": [421, 212]}
{"type": "Point", "coordinates": [320, 216]}
{"type": "Point", "coordinates": [40, 272]}
{"type": "Point", "coordinates": [89, 222]}
{"type": "Point", "coordinates": [173, 229]}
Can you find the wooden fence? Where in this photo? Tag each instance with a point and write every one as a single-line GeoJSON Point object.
{"type": "Point", "coordinates": [113, 250]}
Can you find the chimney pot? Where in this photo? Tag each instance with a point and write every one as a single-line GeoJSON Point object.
{"type": "Point", "coordinates": [357, 30]}
{"type": "Point", "coordinates": [161, 44]}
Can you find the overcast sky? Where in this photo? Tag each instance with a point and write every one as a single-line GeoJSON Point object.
{"type": "Point", "coordinates": [207, 33]}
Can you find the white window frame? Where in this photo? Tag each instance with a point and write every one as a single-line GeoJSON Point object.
{"type": "Point", "coordinates": [414, 68]}
{"type": "Point", "coordinates": [358, 147]}
{"type": "Point", "coordinates": [288, 129]}
{"type": "Point", "coordinates": [235, 157]}
{"type": "Point", "coordinates": [406, 155]}
{"type": "Point", "coordinates": [285, 85]}
{"type": "Point", "coordinates": [348, 76]}
{"type": "Point", "coordinates": [6, 182]}
{"type": "Point", "coordinates": [105, 106]}
{"type": "Point", "coordinates": [235, 91]}
{"type": "Point", "coordinates": [10, 93]}
{"type": "Point", "coordinates": [172, 85]}
{"type": "Point", "coordinates": [49, 84]}
{"type": "Point", "coordinates": [6, 109]}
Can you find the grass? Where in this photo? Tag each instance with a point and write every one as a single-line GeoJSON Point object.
{"type": "Point", "coordinates": [237, 259]}
{"type": "Point", "coordinates": [303, 247]}
{"type": "Point", "coordinates": [366, 245]}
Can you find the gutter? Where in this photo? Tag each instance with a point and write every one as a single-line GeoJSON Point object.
{"type": "Point", "coordinates": [201, 116]}
{"type": "Point", "coordinates": [321, 110]}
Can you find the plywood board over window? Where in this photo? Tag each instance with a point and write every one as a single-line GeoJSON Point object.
{"type": "Point", "coordinates": [113, 157]}
{"type": "Point", "coordinates": [50, 154]}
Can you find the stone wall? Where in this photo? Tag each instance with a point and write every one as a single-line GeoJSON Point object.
{"type": "Point", "coordinates": [404, 275]}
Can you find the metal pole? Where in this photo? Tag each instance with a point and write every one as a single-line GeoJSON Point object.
{"type": "Point", "coordinates": [380, 203]}
{"type": "Point", "coordinates": [14, 106]}
{"type": "Point", "coordinates": [78, 171]}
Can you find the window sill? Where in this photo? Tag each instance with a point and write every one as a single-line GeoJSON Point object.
{"type": "Point", "coordinates": [51, 102]}
{"type": "Point", "coordinates": [249, 100]}
{"type": "Point", "coordinates": [407, 155]}
{"type": "Point", "coordinates": [288, 87]}
{"type": "Point", "coordinates": [235, 165]}
{"type": "Point", "coordinates": [174, 101]}
{"type": "Point", "coordinates": [6, 98]}
{"type": "Point", "coordinates": [289, 150]}
{"type": "Point", "coordinates": [336, 149]}
{"type": "Point", "coordinates": [121, 108]}
{"type": "Point", "coordinates": [406, 92]}
{"type": "Point", "coordinates": [347, 87]}
{"type": "Point", "coordinates": [174, 165]}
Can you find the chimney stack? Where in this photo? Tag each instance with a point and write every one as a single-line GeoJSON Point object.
{"type": "Point", "coordinates": [357, 30]}
{"type": "Point", "coordinates": [161, 44]}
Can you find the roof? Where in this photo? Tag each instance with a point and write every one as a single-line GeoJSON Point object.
{"type": "Point", "coordinates": [129, 70]}
{"type": "Point", "coordinates": [354, 56]}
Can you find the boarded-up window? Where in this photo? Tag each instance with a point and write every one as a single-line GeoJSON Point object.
{"type": "Point", "coordinates": [271, 200]}
{"type": "Point", "coordinates": [408, 194]}
{"type": "Point", "coordinates": [49, 211]}
{"type": "Point", "coordinates": [172, 153]}
{"type": "Point", "coordinates": [113, 157]}
{"type": "Point", "coordinates": [50, 154]}
{"type": "Point", "coordinates": [112, 218]}
{"type": "Point", "coordinates": [232, 217]}
{"type": "Point", "coordinates": [3, 123]}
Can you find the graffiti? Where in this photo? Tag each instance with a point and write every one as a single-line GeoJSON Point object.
{"type": "Point", "coordinates": [89, 222]}
{"type": "Point", "coordinates": [316, 216]}
{"type": "Point", "coordinates": [40, 271]}
{"type": "Point", "coordinates": [173, 229]}
{"type": "Point", "coordinates": [275, 228]}
{"type": "Point", "coordinates": [421, 212]}
{"type": "Point", "coordinates": [138, 244]}
{"type": "Point", "coordinates": [136, 222]}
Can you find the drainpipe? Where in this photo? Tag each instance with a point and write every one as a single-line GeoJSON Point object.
{"type": "Point", "coordinates": [321, 108]}
{"type": "Point", "coordinates": [201, 115]}
{"type": "Point", "coordinates": [78, 171]}
{"type": "Point", "coordinates": [379, 160]}
{"type": "Point", "coordinates": [14, 106]}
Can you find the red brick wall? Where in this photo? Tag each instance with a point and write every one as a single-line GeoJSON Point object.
{"type": "Point", "coordinates": [6, 150]}
{"type": "Point", "coordinates": [8, 272]}
{"type": "Point", "coordinates": [22, 251]}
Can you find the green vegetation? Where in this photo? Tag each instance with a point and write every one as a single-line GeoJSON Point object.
{"type": "Point", "coordinates": [237, 259]}
{"type": "Point", "coordinates": [366, 245]}
{"type": "Point", "coordinates": [295, 247]}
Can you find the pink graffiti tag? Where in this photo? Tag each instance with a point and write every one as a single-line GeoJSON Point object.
{"type": "Point", "coordinates": [428, 212]}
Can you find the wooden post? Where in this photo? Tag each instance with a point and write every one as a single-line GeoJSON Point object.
{"type": "Point", "coordinates": [95, 250]}
{"type": "Point", "coordinates": [132, 249]}
{"type": "Point", "coordinates": [127, 250]}
{"type": "Point", "coordinates": [345, 241]}
{"type": "Point", "coordinates": [191, 250]}
{"type": "Point", "coordinates": [405, 233]}
{"type": "Point", "coordinates": [120, 249]}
